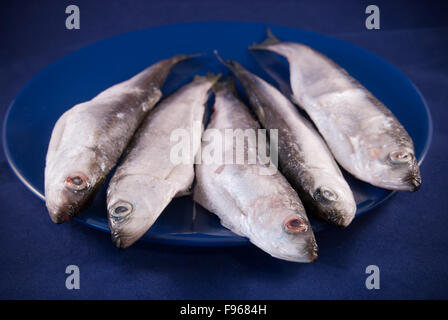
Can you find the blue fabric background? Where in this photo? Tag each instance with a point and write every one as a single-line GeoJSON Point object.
{"type": "Point", "coordinates": [406, 237]}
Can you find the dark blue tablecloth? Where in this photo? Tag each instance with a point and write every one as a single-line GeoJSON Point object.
{"type": "Point", "coordinates": [407, 237]}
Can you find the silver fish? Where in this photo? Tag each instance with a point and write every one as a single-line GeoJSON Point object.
{"type": "Point", "coordinates": [88, 139]}
{"type": "Point", "coordinates": [148, 179]}
{"type": "Point", "coordinates": [304, 158]}
{"type": "Point", "coordinates": [363, 134]}
{"type": "Point", "coordinates": [261, 207]}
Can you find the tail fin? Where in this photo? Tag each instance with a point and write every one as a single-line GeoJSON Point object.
{"type": "Point", "coordinates": [182, 57]}
{"type": "Point", "coordinates": [270, 40]}
{"type": "Point", "coordinates": [213, 78]}
{"type": "Point", "coordinates": [227, 83]}
{"type": "Point", "coordinates": [219, 57]}
{"type": "Point", "coordinates": [231, 64]}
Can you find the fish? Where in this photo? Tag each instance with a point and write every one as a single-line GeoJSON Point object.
{"type": "Point", "coordinates": [303, 155]}
{"type": "Point", "coordinates": [363, 134]}
{"type": "Point", "coordinates": [148, 177]}
{"type": "Point", "coordinates": [88, 139]}
{"type": "Point", "coordinates": [261, 207]}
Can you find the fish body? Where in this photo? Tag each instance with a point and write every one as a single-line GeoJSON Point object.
{"type": "Point", "coordinates": [261, 207]}
{"type": "Point", "coordinates": [88, 139]}
{"type": "Point", "coordinates": [304, 158]}
{"type": "Point", "coordinates": [148, 179]}
{"type": "Point", "coordinates": [364, 136]}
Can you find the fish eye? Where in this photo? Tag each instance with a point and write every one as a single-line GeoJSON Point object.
{"type": "Point", "coordinates": [121, 210]}
{"type": "Point", "coordinates": [399, 156]}
{"type": "Point", "coordinates": [295, 225]}
{"type": "Point", "coordinates": [324, 193]}
{"type": "Point", "coordinates": [76, 182]}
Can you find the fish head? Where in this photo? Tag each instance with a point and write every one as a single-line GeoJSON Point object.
{"type": "Point", "coordinates": [283, 231]}
{"type": "Point", "coordinates": [133, 203]}
{"type": "Point", "coordinates": [70, 181]}
{"type": "Point", "coordinates": [334, 200]}
{"type": "Point", "coordinates": [396, 167]}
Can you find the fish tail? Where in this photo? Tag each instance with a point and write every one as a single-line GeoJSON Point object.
{"type": "Point", "coordinates": [234, 66]}
{"type": "Point", "coordinates": [270, 40]}
{"type": "Point", "coordinates": [227, 83]}
{"type": "Point", "coordinates": [215, 52]}
{"type": "Point", "coordinates": [211, 77]}
{"type": "Point", "coordinates": [182, 57]}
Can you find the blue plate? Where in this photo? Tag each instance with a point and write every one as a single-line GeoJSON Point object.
{"type": "Point", "coordinates": [84, 73]}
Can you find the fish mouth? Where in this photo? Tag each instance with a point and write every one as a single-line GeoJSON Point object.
{"type": "Point", "coordinates": [408, 179]}
{"type": "Point", "coordinates": [308, 254]}
{"type": "Point", "coordinates": [61, 213]}
{"type": "Point", "coordinates": [333, 207]}
{"type": "Point", "coordinates": [116, 240]}
{"type": "Point", "coordinates": [415, 182]}
{"type": "Point", "coordinates": [338, 219]}
{"type": "Point", "coordinates": [336, 216]}
{"type": "Point", "coordinates": [121, 241]}
{"type": "Point", "coordinates": [71, 204]}
{"type": "Point", "coordinates": [312, 251]}
{"type": "Point", "coordinates": [346, 220]}
{"type": "Point", "coordinates": [411, 179]}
